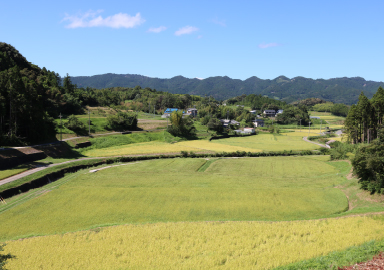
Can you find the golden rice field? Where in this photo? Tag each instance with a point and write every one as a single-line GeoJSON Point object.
{"type": "Point", "coordinates": [262, 142]}
{"type": "Point", "coordinates": [194, 245]}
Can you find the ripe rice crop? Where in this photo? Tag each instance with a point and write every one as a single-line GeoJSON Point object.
{"type": "Point", "coordinates": [194, 245]}
{"type": "Point", "coordinates": [262, 142]}
{"type": "Point", "coordinates": [271, 142]}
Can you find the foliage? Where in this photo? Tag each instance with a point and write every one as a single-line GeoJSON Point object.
{"type": "Point", "coordinates": [215, 124]}
{"type": "Point", "coordinates": [293, 115]}
{"type": "Point", "coordinates": [309, 102]}
{"type": "Point", "coordinates": [4, 258]}
{"type": "Point", "coordinates": [368, 165]}
{"type": "Point", "coordinates": [365, 119]}
{"type": "Point", "coordinates": [28, 94]}
{"type": "Point", "coordinates": [342, 150]}
{"type": "Point", "coordinates": [181, 126]}
{"type": "Point", "coordinates": [74, 124]}
{"type": "Point", "coordinates": [122, 121]}
{"type": "Point", "coordinates": [338, 90]}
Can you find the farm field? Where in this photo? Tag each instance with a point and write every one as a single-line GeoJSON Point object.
{"type": "Point", "coordinates": [262, 142]}
{"type": "Point", "coordinates": [175, 190]}
{"type": "Point", "coordinates": [194, 245]}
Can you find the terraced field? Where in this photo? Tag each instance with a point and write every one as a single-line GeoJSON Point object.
{"type": "Point", "coordinates": [195, 245]}
{"type": "Point", "coordinates": [262, 142]}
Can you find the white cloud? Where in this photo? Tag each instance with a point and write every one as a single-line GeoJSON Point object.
{"type": "Point", "coordinates": [186, 30]}
{"type": "Point", "coordinates": [268, 45]}
{"type": "Point", "coordinates": [157, 29]}
{"type": "Point", "coordinates": [90, 19]}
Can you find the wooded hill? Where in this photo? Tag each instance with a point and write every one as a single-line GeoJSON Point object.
{"type": "Point", "coordinates": [338, 90]}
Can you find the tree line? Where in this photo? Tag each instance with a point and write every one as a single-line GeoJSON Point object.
{"type": "Point", "coordinates": [365, 119]}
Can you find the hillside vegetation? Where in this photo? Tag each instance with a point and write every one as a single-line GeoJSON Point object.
{"type": "Point", "coordinates": [339, 90]}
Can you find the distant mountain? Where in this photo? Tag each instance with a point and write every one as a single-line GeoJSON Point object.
{"type": "Point", "coordinates": [340, 90]}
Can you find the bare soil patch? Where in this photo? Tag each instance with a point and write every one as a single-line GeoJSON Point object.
{"type": "Point", "coordinates": [377, 263]}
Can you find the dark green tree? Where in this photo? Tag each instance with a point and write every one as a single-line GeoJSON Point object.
{"type": "Point", "coordinates": [368, 165]}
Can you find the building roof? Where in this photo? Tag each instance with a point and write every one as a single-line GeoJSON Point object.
{"type": "Point", "coordinates": [169, 110]}
{"type": "Point", "coordinates": [269, 111]}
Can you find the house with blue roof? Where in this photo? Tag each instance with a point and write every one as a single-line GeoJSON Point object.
{"type": "Point", "coordinates": [168, 111]}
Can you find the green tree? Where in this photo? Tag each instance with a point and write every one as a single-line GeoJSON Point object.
{"type": "Point", "coordinates": [4, 257]}
{"type": "Point", "coordinates": [181, 126]}
{"type": "Point", "coordinates": [215, 124]}
{"type": "Point", "coordinates": [75, 124]}
{"type": "Point", "coordinates": [122, 121]}
{"type": "Point", "coordinates": [368, 165]}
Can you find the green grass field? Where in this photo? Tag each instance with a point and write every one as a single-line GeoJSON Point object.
{"type": "Point", "coordinates": [279, 188]}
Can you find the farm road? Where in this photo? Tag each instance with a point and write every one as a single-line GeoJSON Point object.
{"type": "Point", "coordinates": [322, 145]}
{"type": "Point", "coordinates": [39, 168]}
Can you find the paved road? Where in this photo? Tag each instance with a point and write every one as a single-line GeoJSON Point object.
{"type": "Point", "coordinates": [319, 144]}
{"type": "Point", "coordinates": [39, 168]}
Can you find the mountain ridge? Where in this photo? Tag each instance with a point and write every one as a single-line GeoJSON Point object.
{"type": "Point", "coordinates": [341, 90]}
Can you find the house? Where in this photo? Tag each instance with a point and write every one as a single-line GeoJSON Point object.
{"type": "Point", "coordinates": [249, 130]}
{"type": "Point", "coordinates": [269, 113]}
{"type": "Point", "coordinates": [226, 122]}
{"type": "Point", "coordinates": [192, 112]}
{"type": "Point", "coordinates": [168, 112]}
{"type": "Point", "coordinates": [259, 123]}
{"type": "Point", "coordinates": [245, 131]}
{"type": "Point", "coordinates": [253, 112]}
{"type": "Point", "coordinates": [272, 113]}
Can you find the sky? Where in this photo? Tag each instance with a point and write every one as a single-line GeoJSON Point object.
{"type": "Point", "coordinates": [200, 39]}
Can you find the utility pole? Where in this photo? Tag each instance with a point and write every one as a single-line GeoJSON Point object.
{"type": "Point", "coordinates": [61, 133]}
{"type": "Point", "coordinates": [321, 121]}
{"type": "Point", "coordinates": [89, 123]}
{"type": "Point", "coordinates": [300, 125]}
{"type": "Point", "coordinates": [309, 128]}
{"type": "Point", "coordinates": [154, 111]}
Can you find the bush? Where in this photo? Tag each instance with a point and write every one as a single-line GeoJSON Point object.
{"type": "Point", "coordinates": [75, 124]}
{"type": "Point", "coordinates": [122, 121]}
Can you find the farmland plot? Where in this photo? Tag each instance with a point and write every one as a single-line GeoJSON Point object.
{"type": "Point", "coordinates": [275, 188]}
{"type": "Point", "coordinates": [194, 245]}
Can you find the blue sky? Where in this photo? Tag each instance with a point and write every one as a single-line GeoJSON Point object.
{"type": "Point", "coordinates": [238, 39]}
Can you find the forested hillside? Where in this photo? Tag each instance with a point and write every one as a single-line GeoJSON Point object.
{"type": "Point", "coordinates": [338, 90]}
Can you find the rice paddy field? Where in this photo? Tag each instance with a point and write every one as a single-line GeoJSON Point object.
{"type": "Point", "coordinates": [194, 245]}
{"type": "Point", "coordinates": [184, 213]}
{"type": "Point", "coordinates": [261, 142]}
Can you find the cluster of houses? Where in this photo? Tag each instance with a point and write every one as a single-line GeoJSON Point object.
{"type": "Point", "coordinates": [257, 122]}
